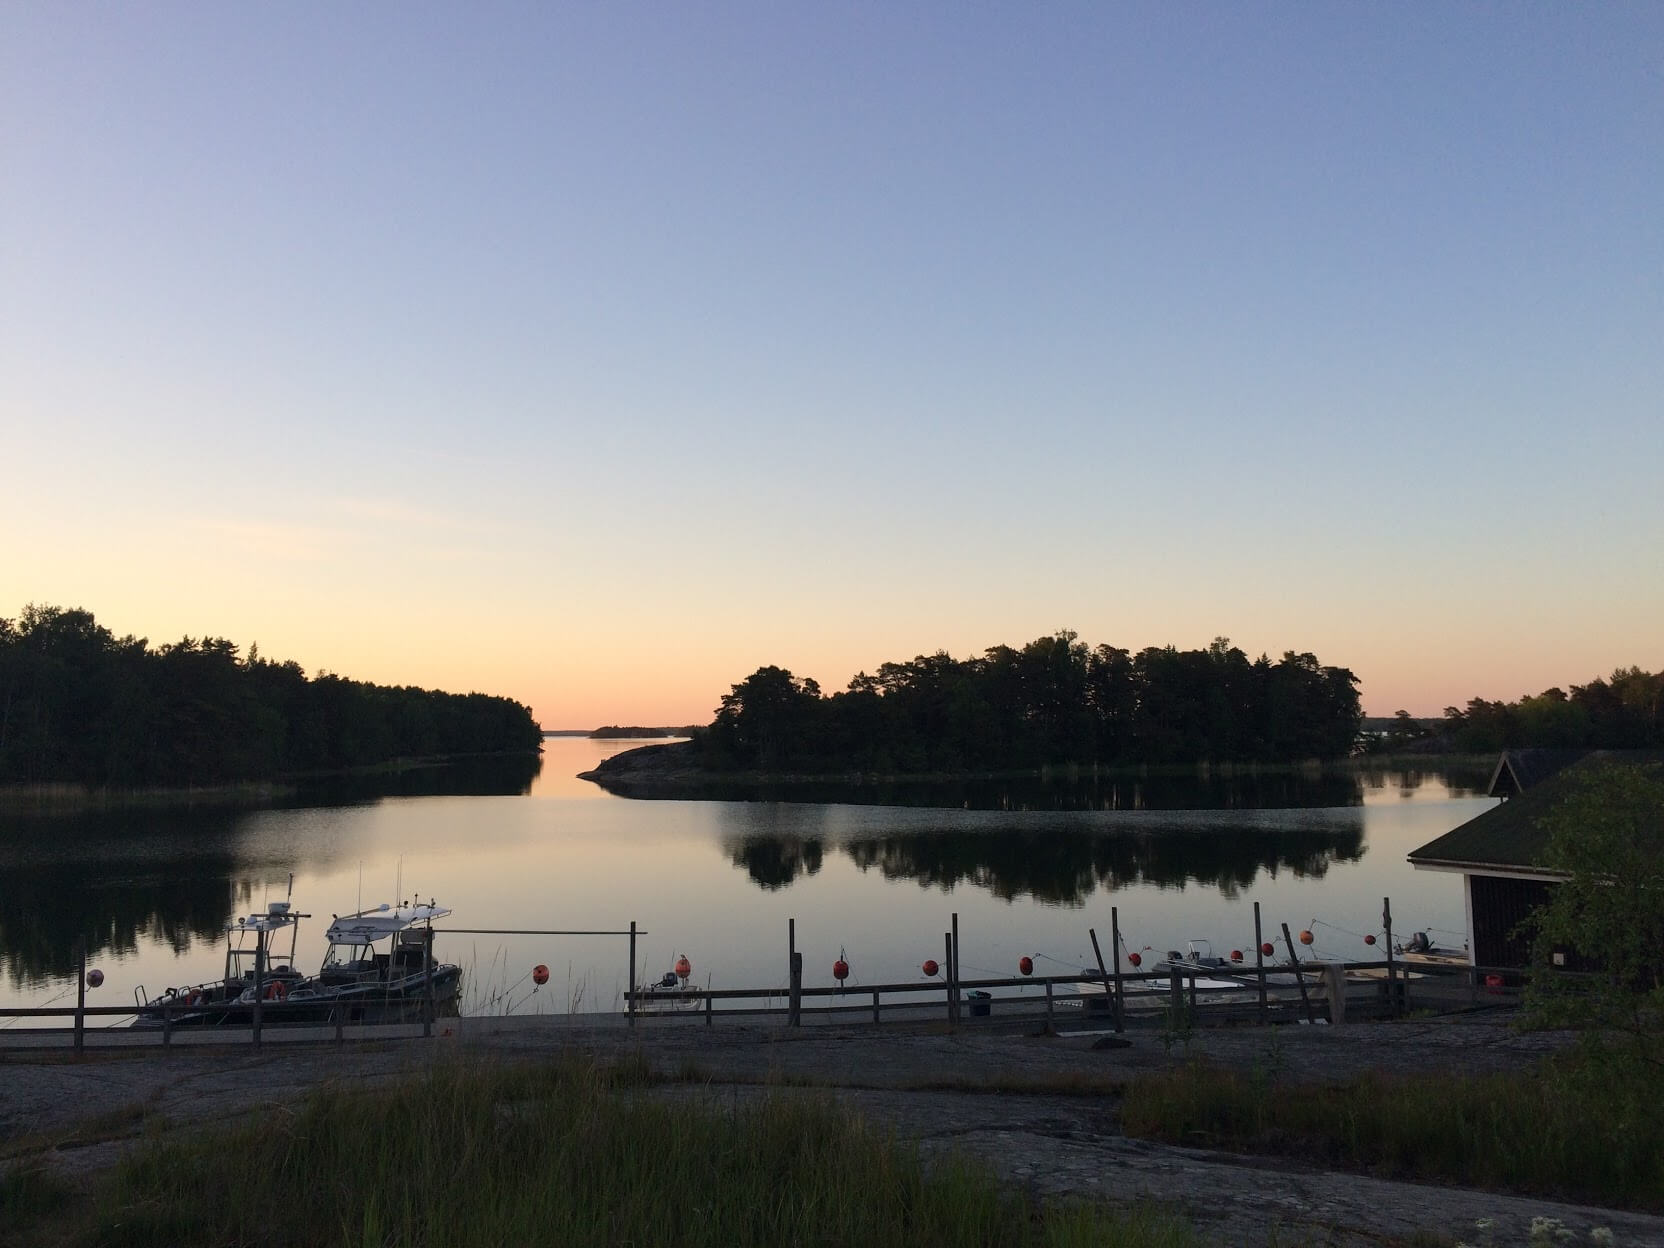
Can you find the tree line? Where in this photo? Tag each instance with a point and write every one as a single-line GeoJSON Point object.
{"type": "Point", "coordinates": [1055, 700]}
{"type": "Point", "coordinates": [78, 704]}
{"type": "Point", "coordinates": [1623, 713]}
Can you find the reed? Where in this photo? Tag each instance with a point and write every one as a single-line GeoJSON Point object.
{"type": "Point", "coordinates": [1560, 1130]}
{"type": "Point", "coordinates": [572, 1152]}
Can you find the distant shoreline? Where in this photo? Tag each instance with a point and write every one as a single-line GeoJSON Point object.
{"type": "Point", "coordinates": [70, 797]}
{"type": "Point", "coordinates": [672, 771]}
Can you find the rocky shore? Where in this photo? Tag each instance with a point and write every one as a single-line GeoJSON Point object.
{"type": "Point", "coordinates": [1043, 1110]}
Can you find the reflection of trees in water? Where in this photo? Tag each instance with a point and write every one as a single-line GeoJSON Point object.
{"type": "Point", "coordinates": [1072, 789]}
{"type": "Point", "coordinates": [125, 877]}
{"type": "Point", "coordinates": [1067, 867]}
{"type": "Point", "coordinates": [1461, 779]}
{"type": "Point", "coordinates": [116, 879]}
{"type": "Point", "coordinates": [774, 862]}
{"type": "Point", "coordinates": [488, 775]}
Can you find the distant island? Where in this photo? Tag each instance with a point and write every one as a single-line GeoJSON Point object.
{"type": "Point", "coordinates": [1054, 701]}
{"type": "Point", "coordinates": [79, 705]}
{"type": "Point", "coordinates": [1056, 706]}
{"type": "Point", "coordinates": [615, 732]}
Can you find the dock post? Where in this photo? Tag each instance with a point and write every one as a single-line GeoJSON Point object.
{"type": "Point", "coordinates": [947, 962]}
{"type": "Point", "coordinates": [1102, 973]}
{"type": "Point", "coordinates": [1175, 999]}
{"type": "Point", "coordinates": [80, 993]}
{"type": "Point", "coordinates": [427, 984]}
{"type": "Point", "coordinates": [167, 1026]}
{"type": "Point", "coordinates": [958, 1011]}
{"type": "Point", "coordinates": [259, 981]}
{"type": "Point", "coordinates": [1048, 1003]}
{"type": "Point", "coordinates": [1392, 975]}
{"type": "Point", "coordinates": [875, 1017]}
{"type": "Point", "coordinates": [1299, 975]}
{"type": "Point", "coordinates": [710, 1008]}
{"type": "Point", "coordinates": [1115, 953]}
{"type": "Point", "coordinates": [630, 980]}
{"type": "Point", "coordinates": [1259, 963]}
{"type": "Point", "coordinates": [794, 975]}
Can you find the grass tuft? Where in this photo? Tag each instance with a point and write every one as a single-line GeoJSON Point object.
{"type": "Point", "coordinates": [572, 1152]}
{"type": "Point", "coordinates": [1555, 1131]}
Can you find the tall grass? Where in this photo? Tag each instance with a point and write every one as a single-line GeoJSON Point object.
{"type": "Point", "coordinates": [1566, 1129]}
{"type": "Point", "coordinates": [573, 1153]}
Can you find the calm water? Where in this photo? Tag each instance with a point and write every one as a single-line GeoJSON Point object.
{"type": "Point", "coordinates": [718, 880]}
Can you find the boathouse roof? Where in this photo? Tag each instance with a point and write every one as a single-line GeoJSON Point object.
{"type": "Point", "coordinates": [1518, 770]}
{"type": "Point", "coordinates": [1509, 838]}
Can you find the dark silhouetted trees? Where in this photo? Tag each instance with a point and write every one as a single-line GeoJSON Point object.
{"type": "Point", "coordinates": [1053, 701]}
{"type": "Point", "coordinates": [78, 704]}
{"type": "Point", "coordinates": [1623, 713]}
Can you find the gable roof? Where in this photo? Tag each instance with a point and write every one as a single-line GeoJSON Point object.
{"type": "Point", "coordinates": [1519, 770]}
{"type": "Point", "coordinates": [1508, 837]}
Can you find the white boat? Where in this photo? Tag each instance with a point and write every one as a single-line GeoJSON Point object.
{"type": "Point", "coordinates": [359, 982]}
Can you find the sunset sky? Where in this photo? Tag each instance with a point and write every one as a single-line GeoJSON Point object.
{"type": "Point", "coordinates": [596, 355]}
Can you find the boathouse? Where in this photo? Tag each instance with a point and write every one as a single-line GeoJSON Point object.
{"type": "Point", "coordinates": [1500, 854]}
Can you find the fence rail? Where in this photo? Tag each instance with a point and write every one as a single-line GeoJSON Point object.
{"type": "Point", "coordinates": [1172, 997]}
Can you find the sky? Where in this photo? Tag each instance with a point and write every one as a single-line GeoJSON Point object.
{"type": "Point", "coordinates": [597, 355]}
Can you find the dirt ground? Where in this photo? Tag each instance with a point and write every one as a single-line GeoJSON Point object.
{"type": "Point", "coordinates": [1053, 1144]}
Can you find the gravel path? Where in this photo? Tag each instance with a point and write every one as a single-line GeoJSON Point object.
{"type": "Point", "coordinates": [1054, 1144]}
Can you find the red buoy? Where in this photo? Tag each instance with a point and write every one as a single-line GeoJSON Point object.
{"type": "Point", "coordinates": [1268, 948]}
{"type": "Point", "coordinates": [840, 970]}
{"type": "Point", "coordinates": [1369, 940]}
{"type": "Point", "coordinates": [930, 967]}
{"type": "Point", "coordinates": [1025, 964]}
{"type": "Point", "coordinates": [1236, 955]}
{"type": "Point", "coordinates": [1134, 959]}
{"type": "Point", "coordinates": [684, 968]}
{"type": "Point", "coordinates": [1306, 937]}
{"type": "Point", "coordinates": [540, 974]}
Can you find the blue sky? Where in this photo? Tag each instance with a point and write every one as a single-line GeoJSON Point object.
{"type": "Point", "coordinates": [597, 356]}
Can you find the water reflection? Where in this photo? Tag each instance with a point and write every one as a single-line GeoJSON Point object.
{"type": "Point", "coordinates": [1066, 866]}
{"type": "Point", "coordinates": [1085, 789]}
{"type": "Point", "coordinates": [126, 878]}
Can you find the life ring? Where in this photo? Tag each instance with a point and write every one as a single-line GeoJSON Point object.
{"type": "Point", "coordinates": [277, 990]}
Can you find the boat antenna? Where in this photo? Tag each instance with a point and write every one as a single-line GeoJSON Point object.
{"type": "Point", "coordinates": [291, 893]}
{"type": "Point", "coordinates": [361, 886]}
{"type": "Point", "coordinates": [398, 877]}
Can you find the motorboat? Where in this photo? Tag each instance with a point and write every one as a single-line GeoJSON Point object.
{"type": "Point", "coordinates": [377, 968]}
{"type": "Point", "coordinates": [1420, 948]}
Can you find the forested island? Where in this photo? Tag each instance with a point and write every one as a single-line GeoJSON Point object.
{"type": "Point", "coordinates": [1054, 700]}
{"type": "Point", "coordinates": [80, 705]}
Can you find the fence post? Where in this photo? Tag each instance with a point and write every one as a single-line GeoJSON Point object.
{"type": "Point", "coordinates": [947, 958]}
{"type": "Point", "coordinates": [875, 1017]}
{"type": "Point", "coordinates": [427, 984]}
{"type": "Point", "coordinates": [1048, 1003]}
{"type": "Point", "coordinates": [259, 980]}
{"type": "Point", "coordinates": [957, 1005]}
{"type": "Point", "coordinates": [1102, 973]}
{"type": "Point", "coordinates": [1115, 952]}
{"type": "Point", "coordinates": [710, 1008]}
{"type": "Point", "coordinates": [1175, 994]}
{"type": "Point", "coordinates": [80, 992]}
{"type": "Point", "coordinates": [1392, 971]}
{"type": "Point", "coordinates": [630, 980]}
{"type": "Point", "coordinates": [794, 973]}
{"type": "Point", "coordinates": [1259, 963]}
{"type": "Point", "coordinates": [1299, 975]}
